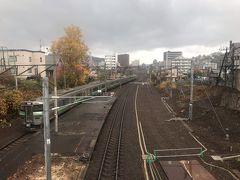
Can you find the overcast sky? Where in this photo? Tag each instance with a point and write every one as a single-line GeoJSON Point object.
{"type": "Point", "coordinates": [143, 28]}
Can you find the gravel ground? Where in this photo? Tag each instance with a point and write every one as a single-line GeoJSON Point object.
{"type": "Point", "coordinates": [61, 168]}
{"type": "Point", "coordinates": [208, 129]}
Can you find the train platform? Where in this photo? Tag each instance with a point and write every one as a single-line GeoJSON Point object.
{"type": "Point", "coordinates": [15, 130]}
{"type": "Point", "coordinates": [71, 147]}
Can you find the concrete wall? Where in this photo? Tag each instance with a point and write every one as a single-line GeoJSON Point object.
{"type": "Point", "coordinates": [231, 100]}
{"type": "Point", "coordinates": [237, 79]}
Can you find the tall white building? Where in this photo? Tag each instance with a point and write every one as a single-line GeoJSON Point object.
{"type": "Point", "coordinates": [169, 56]}
{"type": "Point", "coordinates": [111, 62]}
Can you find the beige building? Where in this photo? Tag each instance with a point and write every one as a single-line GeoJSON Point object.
{"type": "Point", "coordinates": [29, 63]}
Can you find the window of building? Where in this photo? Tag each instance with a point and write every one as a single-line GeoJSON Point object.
{"type": "Point", "coordinates": [30, 59]}
{"type": "Point", "coordinates": [30, 70]}
{"type": "Point", "coordinates": [40, 59]}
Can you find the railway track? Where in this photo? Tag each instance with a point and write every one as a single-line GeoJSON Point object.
{"type": "Point", "coordinates": [13, 143]}
{"type": "Point", "coordinates": [107, 161]}
{"type": "Point", "coordinates": [110, 164]}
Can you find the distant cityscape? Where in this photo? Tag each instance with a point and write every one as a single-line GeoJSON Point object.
{"type": "Point", "coordinates": [30, 63]}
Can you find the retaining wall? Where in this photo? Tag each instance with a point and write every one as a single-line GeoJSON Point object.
{"type": "Point", "coordinates": [231, 100]}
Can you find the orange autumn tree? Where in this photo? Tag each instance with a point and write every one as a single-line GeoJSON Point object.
{"type": "Point", "coordinates": [72, 50]}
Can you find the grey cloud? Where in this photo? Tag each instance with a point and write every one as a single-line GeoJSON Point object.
{"type": "Point", "coordinates": [123, 25]}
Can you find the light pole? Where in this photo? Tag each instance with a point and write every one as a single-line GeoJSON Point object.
{"type": "Point", "coordinates": [191, 93]}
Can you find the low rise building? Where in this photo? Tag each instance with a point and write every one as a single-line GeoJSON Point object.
{"type": "Point", "coordinates": [210, 65]}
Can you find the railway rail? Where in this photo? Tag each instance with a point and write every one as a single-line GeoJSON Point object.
{"type": "Point", "coordinates": [111, 158]}
{"type": "Point", "coordinates": [13, 143]}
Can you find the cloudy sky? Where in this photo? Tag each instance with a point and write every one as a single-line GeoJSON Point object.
{"type": "Point", "coordinates": [143, 28]}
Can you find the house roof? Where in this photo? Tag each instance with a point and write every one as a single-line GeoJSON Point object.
{"type": "Point", "coordinates": [27, 50]}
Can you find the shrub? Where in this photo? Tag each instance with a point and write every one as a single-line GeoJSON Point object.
{"type": "Point", "coordinates": [13, 100]}
{"type": "Point", "coordinates": [167, 84]}
{"type": "Point", "coordinates": [3, 108]}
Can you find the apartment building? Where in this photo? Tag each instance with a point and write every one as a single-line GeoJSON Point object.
{"type": "Point", "coordinates": [29, 63]}
{"type": "Point", "coordinates": [183, 65]}
{"type": "Point", "coordinates": [169, 56]}
{"type": "Point", "coordinates": [110, 61]}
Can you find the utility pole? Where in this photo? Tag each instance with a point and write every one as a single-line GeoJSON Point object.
{"type": "Point", "coordinates": [191, 93]}
{"type": "Point", "coordinates": [233, 66]}
{"type": "Point", "coordinates": [105, 77]}
{"type": "Point", "coordinates": [55, 94]}
{"type": "Point", "coordinates": [177, 70]}
{"type": "Point", "coordinates": [3, 62]}
{"type": "Point", "coordinates": [150, 76]}
{"type": "Point", "coordinates": [47, 140]}
{"type": "Point", "coordinates": [171, 82]}
{"type": "Point", "coordinates": [16, 80]}
{"type": "Point", "coordinates": [64, 76]}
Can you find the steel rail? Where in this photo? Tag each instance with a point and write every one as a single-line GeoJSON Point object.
{"type": "Point", "coordinates": [122, 103]}
{"type": "Point", "coordinates": [13, 141]}
{"type": "Point", "coordinates": [120, 137]}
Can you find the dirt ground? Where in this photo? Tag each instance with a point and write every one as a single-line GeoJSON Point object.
{"type": "Point", "coordinates": [62, 168]}
{"type": "Point", "coordinates": [217, 127]}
